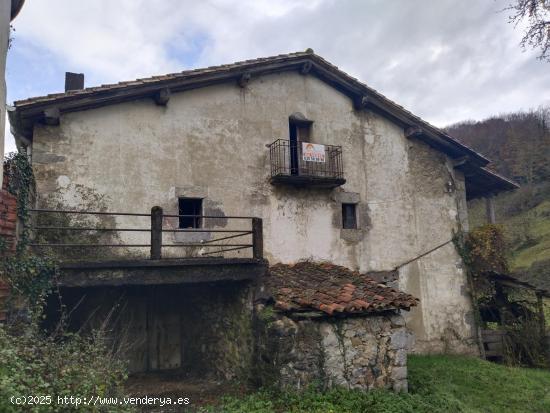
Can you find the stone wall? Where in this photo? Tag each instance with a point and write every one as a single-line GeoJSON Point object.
{"type": "Point", "coordinates": [218, 333]}
{"type": "Point", "coordinates": [355, 352]}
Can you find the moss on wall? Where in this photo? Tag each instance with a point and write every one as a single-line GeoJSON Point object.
{"type": "Point", "coordinates": [356, 352]}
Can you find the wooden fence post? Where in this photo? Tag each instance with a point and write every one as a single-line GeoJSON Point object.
{"type": "Point", "coordinates": [490, 209]}
{"type": "Point", "coordinates": [257, 239]}
{"type": "Point", "coordinates": [542, 326]}
{"type": "Point", "coordinates": [156, 233]}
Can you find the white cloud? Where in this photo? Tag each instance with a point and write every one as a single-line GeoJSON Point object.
{"type": "Point", "coordinates": [126, 39]}
{"type": "Point", "coordinates": [445, 60]}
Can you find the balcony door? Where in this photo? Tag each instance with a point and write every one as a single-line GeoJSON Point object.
{"type": "Point", "coordinates": [294, 156]}
{"type": "Point", "coordinates": [299, 131]}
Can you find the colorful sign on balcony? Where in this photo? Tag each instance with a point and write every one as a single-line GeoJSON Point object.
{"type": "Point", "coordinates": [313, 152]}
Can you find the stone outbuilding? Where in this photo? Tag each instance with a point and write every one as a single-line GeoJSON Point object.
{"type": "Point", "coordinates": [323, 324]}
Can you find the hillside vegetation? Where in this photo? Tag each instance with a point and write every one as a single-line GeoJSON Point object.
{"type": "Point", "coordinates": [519, 146]}
{"type": "Point", "coordinates": [449, 384]}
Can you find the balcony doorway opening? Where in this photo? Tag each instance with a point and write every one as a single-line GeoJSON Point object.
{"type": "Point", "coordinates": [299, 131]}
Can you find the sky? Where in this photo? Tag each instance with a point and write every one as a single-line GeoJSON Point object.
{"type": "Point", "coordinates": [445, 60]}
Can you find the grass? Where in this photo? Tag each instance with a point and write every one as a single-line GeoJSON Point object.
{"type": "Point", "coordinates": [437, 384]}
{"type": "Point", "coordinates": [480, 386]}
{"type": "Point", "coordinates": [536, 222]}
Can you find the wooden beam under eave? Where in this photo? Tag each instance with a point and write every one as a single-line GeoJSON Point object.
{"type": "Point", "coordinates": [162, 97]}
{"type": "Point", "coordinates": [361, 102]}
{"type": "Point", "coordinates": [459, 163]}
{"type": "Point", "coordinates": [244, 79]}
{"type": "Point", "coordinates": [413, 132]}
{"type": "Point", "coordinates": [306, 68]}
{"type": "Point", "coordinates": [52, 116]}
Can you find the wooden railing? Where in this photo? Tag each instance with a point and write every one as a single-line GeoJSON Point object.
{"type": "Point", "coordinates": [215, 240]}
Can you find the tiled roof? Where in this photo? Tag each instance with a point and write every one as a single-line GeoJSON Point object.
{"type": "Point", "coordinates": [332, 289]}
{"type": "Point", "coordinates": [186, 74]}
{"type": "Point", "coordinates": [228, 67]}
{"type": "Point", "coordinates": [32, 108]}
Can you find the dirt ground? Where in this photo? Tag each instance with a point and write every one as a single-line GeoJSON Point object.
{"type": "Point", "coordinates": [201, 391]}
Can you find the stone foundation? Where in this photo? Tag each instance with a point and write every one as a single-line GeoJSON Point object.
{"type": "Point", "coordinates": [355, 352]}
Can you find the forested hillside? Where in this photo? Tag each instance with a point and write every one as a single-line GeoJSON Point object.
{"type": "Point", "coordinates": [519, 146]}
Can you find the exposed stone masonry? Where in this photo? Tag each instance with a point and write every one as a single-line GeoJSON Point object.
{"type": "Point", "coordinates": [357, 353]}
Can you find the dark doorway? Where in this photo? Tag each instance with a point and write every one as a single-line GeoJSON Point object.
{"type": "Point", "coordinates": [299, 131]}
{"type": "Point", "coordinates": [162, 327]}
{"type": "Point", "coordinates": [294, 160]}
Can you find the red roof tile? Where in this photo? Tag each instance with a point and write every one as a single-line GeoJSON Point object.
{"type": "Point", "coordinates": [330, 288]}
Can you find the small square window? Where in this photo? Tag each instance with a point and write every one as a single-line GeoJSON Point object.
{"type": "Point", "coordinates": [349, 216]}
{"type": "Point", "coordinates": [190, 206]}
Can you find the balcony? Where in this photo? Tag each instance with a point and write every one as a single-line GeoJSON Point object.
{"type": "Point", "coordinates": [304, 164]}
{"type": "Point", "coordinates": [124, 248]}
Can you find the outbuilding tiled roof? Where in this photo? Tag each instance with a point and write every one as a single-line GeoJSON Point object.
{"type": "Point", "coordinates": [332, 289]}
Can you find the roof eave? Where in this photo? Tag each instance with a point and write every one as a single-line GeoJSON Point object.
{"type": "Point", "coordinates": [482, 182]}
{"type": "Point", "coordinates": [29, 112]}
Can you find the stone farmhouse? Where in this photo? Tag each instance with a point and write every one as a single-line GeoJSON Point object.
{"type": "Point", "coordinates": [345, 264]}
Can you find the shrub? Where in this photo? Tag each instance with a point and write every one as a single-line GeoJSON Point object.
{"type": "Point", "coordinates": [32, 363]}
{"type": "Point", "coordinates": [487, 249]}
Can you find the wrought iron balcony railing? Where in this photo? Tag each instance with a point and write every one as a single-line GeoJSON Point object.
{"type": "Point", "coordinates": [306, 164]}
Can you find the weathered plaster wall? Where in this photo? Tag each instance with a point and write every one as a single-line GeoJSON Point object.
{"type": "Point", "coordinates": [212, 141]}
{"type": "Point", "coordinates": [358, 353]}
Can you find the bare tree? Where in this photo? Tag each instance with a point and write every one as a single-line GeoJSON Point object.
{"type": "Point", "coordinates": [537, 15]}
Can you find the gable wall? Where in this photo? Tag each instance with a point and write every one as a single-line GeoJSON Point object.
{"type": "Point", "coordinates": [211, 143]}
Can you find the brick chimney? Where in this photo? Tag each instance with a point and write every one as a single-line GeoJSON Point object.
{"type": "Point", "coordinates": [74, 81]}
